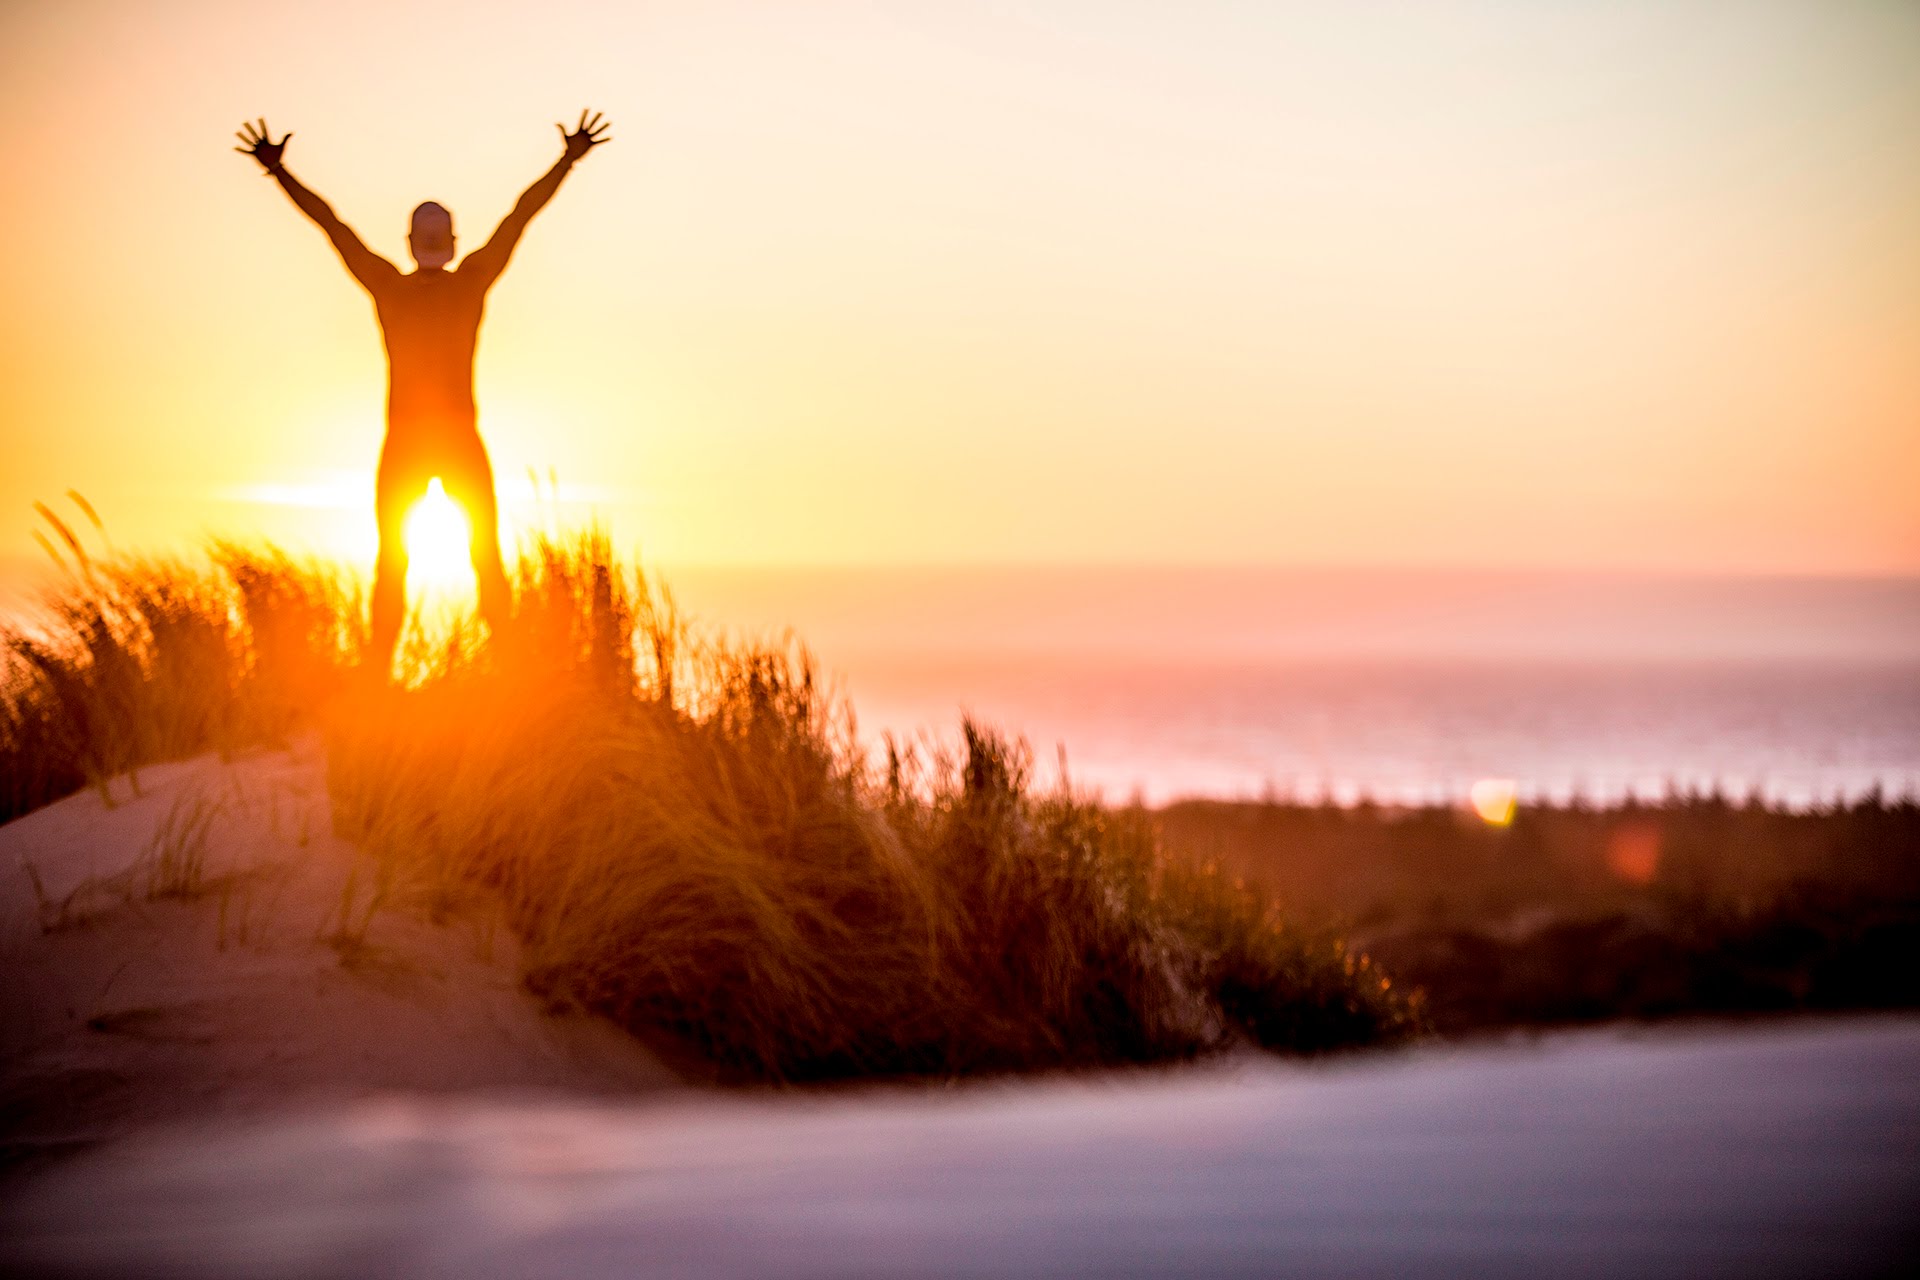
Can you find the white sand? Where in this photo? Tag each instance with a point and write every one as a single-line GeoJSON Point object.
{"type": "Point", "coordinates": [119, 1010]}
{"type": "Point", "coordinates": [1786, 1150]}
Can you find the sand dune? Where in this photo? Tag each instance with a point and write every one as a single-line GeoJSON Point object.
{"type": "Point", "coordinates": [144, 986]}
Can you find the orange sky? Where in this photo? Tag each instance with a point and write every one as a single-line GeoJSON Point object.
{"type": "Point", "coordinates": [1570, 285]}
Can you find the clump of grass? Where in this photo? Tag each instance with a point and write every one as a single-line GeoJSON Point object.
{"type": "Point", "coordinates": [133, 669]}
{"type": "Point", "coordinates": [135, 661]}
{"type": "Point", "coordinates": [302, 628]}
{"type": "Point", "coordinates": [40, 759]}
{"type": "Point", "coordinates": [694, 844]}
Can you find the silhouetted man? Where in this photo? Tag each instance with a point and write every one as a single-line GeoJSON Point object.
{"type": "Point", "coordinates": [430, 319]}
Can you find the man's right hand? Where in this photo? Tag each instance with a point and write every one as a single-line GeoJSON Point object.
{"type": "Point", "coordinates": [261, 147]}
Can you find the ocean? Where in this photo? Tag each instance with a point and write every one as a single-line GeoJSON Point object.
{"type": "Point", "coordinates": [1402, 686]}
{"type": "Point", "coordinates": [1399, 686]}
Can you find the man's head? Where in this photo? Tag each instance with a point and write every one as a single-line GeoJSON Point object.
{"type": "Point", "coordinates": [431, 238]}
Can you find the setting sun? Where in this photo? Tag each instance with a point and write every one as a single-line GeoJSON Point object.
{"type": "Point", "coordinates": [437, 542]}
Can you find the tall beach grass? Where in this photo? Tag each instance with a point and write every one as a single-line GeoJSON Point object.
{"type": "Point", "coordinates": [688, 839]}
{"type": "Point", "coordinates": [131, 661]}
{"type": "Point", "coordinates": [684, 831]}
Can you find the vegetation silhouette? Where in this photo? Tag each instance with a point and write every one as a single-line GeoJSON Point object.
{"type": "Point", "coordinates": [430, 322]}
{"type": "Point", "coordinates": [683, 832]}
{"type": "Point", "coordinates": [1697, 904]}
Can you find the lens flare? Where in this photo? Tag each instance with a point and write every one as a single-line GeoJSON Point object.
{"type": "Point", "coordinates": [438, 563]}
{"type": "Point", "coordinates": [1494, 799]}
{"type": "Point", "coordinates": [1633, 852]}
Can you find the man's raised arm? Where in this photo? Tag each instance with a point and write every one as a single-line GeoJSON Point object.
{"type": "Point", "coordinates": [487, 262]}
{"type": "Point", "coordinates": [368, 267]}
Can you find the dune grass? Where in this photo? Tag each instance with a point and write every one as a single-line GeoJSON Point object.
{"type": "Point", "coordinates": [135, 661]}
{"type": "Point", "coordinates": [684, 832]}
{"type": "Point", "coordinates": [693, 843]}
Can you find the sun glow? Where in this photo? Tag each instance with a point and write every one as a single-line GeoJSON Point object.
{"type": "Point", "coordinates": [438, 562]}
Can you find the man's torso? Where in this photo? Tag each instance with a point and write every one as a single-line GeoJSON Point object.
{"type": "Point", "coordinates": [430, 321]}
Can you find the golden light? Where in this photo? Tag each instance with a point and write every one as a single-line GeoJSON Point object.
{"type": "Point", "coordinates": [1495, 800]}
{"type": "Point", "coordinates": [438, 563]}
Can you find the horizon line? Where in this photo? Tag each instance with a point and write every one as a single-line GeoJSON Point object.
{"type": "Point", "coordinates": [34, 561]}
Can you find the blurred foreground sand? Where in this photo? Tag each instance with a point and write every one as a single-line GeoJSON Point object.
{"type": "Point", "coordinates": [1783, 1150]}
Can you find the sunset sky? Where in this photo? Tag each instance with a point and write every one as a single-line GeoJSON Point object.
{"type": "Point", "coordinates": [1572, 285]}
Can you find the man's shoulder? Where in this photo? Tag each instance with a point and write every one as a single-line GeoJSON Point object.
{"type": "Point", "coordinates": [425, 284]}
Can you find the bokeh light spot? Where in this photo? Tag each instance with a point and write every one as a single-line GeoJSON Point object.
{"type": "Point", "coordinates": [1633, 852]}
{"type": "Point", "coordinates": [1495, 800]}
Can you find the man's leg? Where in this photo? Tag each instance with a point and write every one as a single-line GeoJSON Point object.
{"type": "Point", "coordinates": [468, 480]}
{"type": "Point", "coordinates": [396, 486]}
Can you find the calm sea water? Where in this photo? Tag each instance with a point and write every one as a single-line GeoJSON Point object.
{"type": "Point", "coordinates": [1424, 731]}
{"type": "Point", "coordinates": [1402, 686]}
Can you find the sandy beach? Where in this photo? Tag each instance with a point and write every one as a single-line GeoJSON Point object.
{"type": "Point", "coordinates": [136, 998]}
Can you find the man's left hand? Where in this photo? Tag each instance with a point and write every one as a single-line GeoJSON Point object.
{"type": "Point", "coordinates": [587, 135]}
